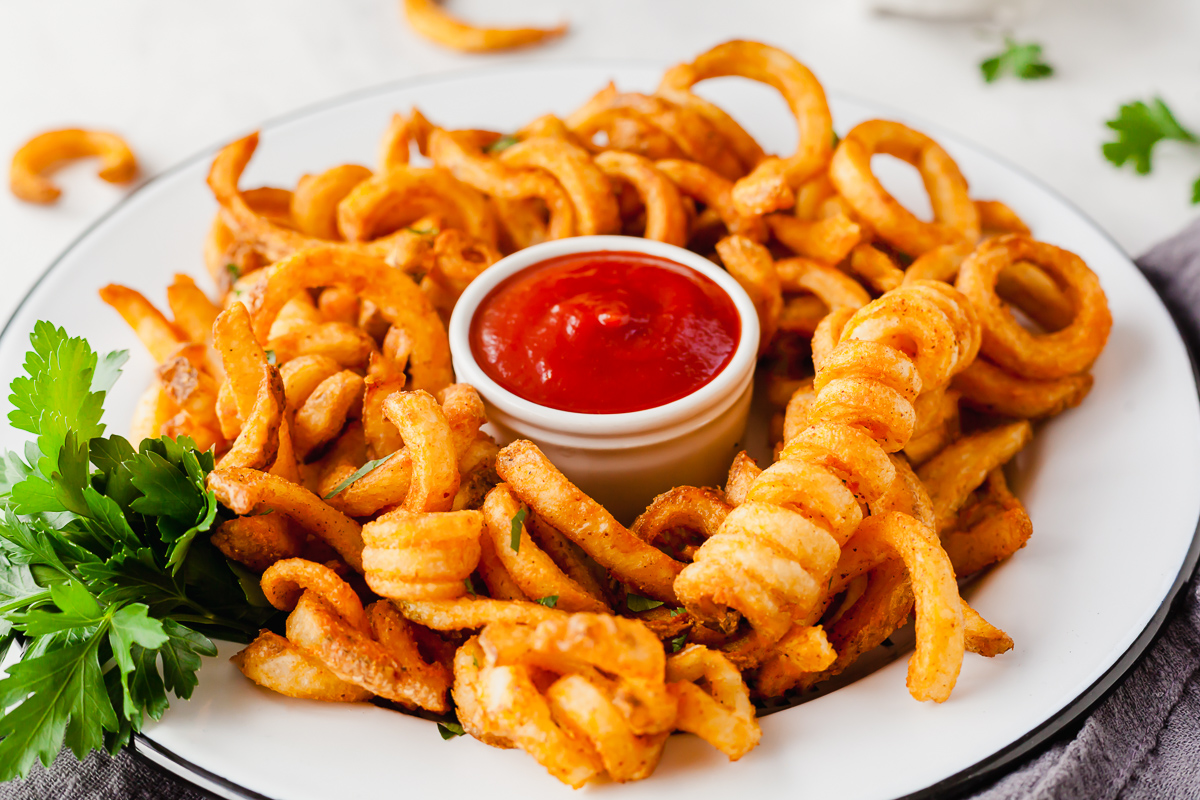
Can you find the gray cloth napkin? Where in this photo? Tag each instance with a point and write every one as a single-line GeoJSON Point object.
{"type": "Point", "coordinates": [1143, 741]}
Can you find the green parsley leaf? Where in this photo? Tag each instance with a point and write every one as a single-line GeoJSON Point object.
{"type": "Point", "coordinates": [59, 381]}
{"type": "Point", "coordinates": [678, 642]}
{"type": "Point", "coordinates": [469, 582]}
{"type": "Point", "coordinates": [234, 271]}
{"type": "Point", "coordinates": [130, 626]}
{"type": "Point", "coordinates": [1140, 126]}
{"type": "Point", "coordinates": [370, 466]}
{"type": "Point", "coordinates": [518, 521]}
{"type": "Point", "coordinates": [1196, 191]}
{"type": "Point", "coordinates": [271, 357]}
{"type": "Point", "coordinates": [449, 730]}
{"type": "Point", "coordinates": [76, 608]}
{"type": "Point", "coordinates": [675, 612]}
{"type": "Point", "coordinates": [101, 565]}
{"type": "Point", "coordinates": [181, 657]}
{"type": "Point", "coordinates": [637, 603]}
{"type": "Point", "coordinates": [550, 601]}
{"type": "Point", "coordinates": [1021, 60]}
{"type": "Point", "coordinates": [502, 144]}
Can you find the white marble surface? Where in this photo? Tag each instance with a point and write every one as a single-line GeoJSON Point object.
{"type": "Point", "coordinates": [177, 77]}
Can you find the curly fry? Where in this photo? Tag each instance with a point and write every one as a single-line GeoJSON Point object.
{"type": "Point", "coordinates": [723, 715]}
{"type": "Point", "coordinates": [531, 569]}
{"type": "Point", "coordinates": [48, 150]}
{"type": "Point", "coordinates": [432, 22]}
{"type": "Point", "coordinates": [284, 581]}
{"type": "Point", "coordinates": [247, 491]}
{"type": "Point", "coordinates": [771, 186]}
{"type": "Point", "coordinates": [421, 556]}
{"type": "Point", "coordinates": [315, 202]}
{"type": "Point", "coordinates": [955, 216]}
{"type": "Point", "coordinates": [274, 663]}
{"type": "Point", "coordinates": [596, 209]}
{"type": "Point", "coordinates": [353, 656]}
{"type": "Point", "coordinates": [399, 300]}
{"type": "Point", "coordinates": [666, 219]}
{"type": "Point", "coordinates": [555, 499]}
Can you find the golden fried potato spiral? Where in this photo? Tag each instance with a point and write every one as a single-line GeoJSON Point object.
{"type": "Point", "coordinates": [772, 557]}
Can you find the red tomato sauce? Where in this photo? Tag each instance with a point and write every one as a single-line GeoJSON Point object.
{"type": "Point", "coordinates": [605, 332]}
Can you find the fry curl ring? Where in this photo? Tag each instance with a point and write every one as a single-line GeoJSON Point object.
{"type": "Point", "coordinates": [955, 215]}
{"type": "Point", "coordinates": [388, 201]}
{"type": "Point", "coordinates": [686, 128]}
{"type": "Point", "coordinates": [284, 581]}
{"type": "Point", "coordinates": [772, 184]}
{"type": "Point", "coordinates": [666, 219]}
{"type": "Point", "coordinates": [461, 152]}
{"type": "Point", "coordinates": [584, 521]}
{"type": "Point", "coordinates": [772, 557]}
{"type": "Point", "coordinates": [1053, 355]}
{"type": "Point", "coordinates": [593, 717]}
{"type": "Point", "coordinates": [399, 300]}
{"type": "Point", "coordinates": [698, 509]}
{"type": "Point", "coordinates": [933, 669]}
{"type": "Point", "coordinates": [534, 572]}
{"type": "Point", "coordinates": [723, 715]}
{"type": "Point", "coordinates": [596, 210]}
{"type": "Point", "coordinates": [988, 388]}
{"type": "Point", "coordinates": [421, 556]}
{"type": "Point", "coordinates": [514, 709]}
{"type": "Point", "coordinates": [575, 642]}
{"type": "Point", "coordinates": [48, 150]}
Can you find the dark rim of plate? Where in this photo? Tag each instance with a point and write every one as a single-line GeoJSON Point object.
{"type": "Point", "coordinates": [956, 785]}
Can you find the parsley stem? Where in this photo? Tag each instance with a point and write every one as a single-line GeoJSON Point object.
{"type": "Point", "coordinates": [214, 621]}
{"type": "Point", "coordinates": [27, 600]}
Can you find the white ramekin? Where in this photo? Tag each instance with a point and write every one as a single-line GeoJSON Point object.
{"type": "Point", "coordinates": [622, 460]}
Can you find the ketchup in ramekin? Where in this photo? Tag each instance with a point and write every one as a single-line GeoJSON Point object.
{"type": "Point", "coordinates": [605, 332]}
{"type": "Point", "coordinates": [628, 362]}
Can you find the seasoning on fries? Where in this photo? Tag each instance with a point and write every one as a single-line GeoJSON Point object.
{"type": "Point", "coordinates": [421, 563]}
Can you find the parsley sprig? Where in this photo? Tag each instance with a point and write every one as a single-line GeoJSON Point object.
{"type": "Point", "coordinates": [104, 575]}
{"type": "Point", "coordinates": [1140, 126]}
{"type": "Point", "coordinates": [1023, 61]}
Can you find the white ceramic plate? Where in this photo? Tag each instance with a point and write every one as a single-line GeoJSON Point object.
{"type": "Point", "coordinates": [1113, 488]}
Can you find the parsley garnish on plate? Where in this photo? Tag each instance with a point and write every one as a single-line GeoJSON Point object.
{"type": "Point", "coordinates": [370, 466]}
{"type": "Point", "coordinates": [1021, 60]}
{"type": "Point", "coordinates": [1140, 126]}
{"type": "Point", "coordinates": [502, 144]}
{"type": "Point", "coordinates": [517, 521]}
{"type": "Point", "coordinates": [549, 601]}
{"type": "Point", "coordinates": [104, 572]}
{"type": "Point", "coordinates": [449, 730]}
{"type": "Point", "coordinates": [637, 603]}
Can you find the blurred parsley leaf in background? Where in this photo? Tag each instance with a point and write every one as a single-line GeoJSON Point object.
{"type": "Point", "coordinates": [1021, 60]}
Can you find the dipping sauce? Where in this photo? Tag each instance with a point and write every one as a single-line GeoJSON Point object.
{"type": "Point", "coordinates": [605, 332]}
